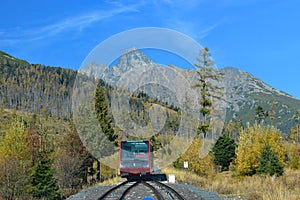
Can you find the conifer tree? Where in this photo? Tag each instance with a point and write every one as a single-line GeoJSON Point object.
{"type": "Point", "coordinates": [206, 75]}
{"type": "Point", "coordinates": [43, 183]}
{"type": "Point", "coordinates": [261, 115]}
{"type": "Point", "coordinates": [224, 151]}
{"type": "Point", "coordinates": [102, 111]}
{"type": "Point", "coordinates": [269, 163]}
{"type": "Point", "coordinates": [297, 119]}
{"type": "Point", "coordinates": [272, 112]}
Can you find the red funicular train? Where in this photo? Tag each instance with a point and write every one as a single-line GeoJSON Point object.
{"type": "Point", "coordinates": [135, 158]}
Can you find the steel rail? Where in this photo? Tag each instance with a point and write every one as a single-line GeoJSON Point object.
{"type": "Point", "coordinates": [111, 190]}
{"type": "Point", "coordinates": [128, 189]}
{"type": "Point", "coordinates": [156, 192]}
{"type": "Point", "coordinates": [170, 189]}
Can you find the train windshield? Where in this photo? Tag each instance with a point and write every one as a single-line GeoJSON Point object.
{"type": "Point", "coordinates": [137, 151]}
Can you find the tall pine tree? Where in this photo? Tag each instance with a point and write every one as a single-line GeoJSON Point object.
{"type": "Point", "coordinates": [207, 74]}
{"type": "Point", "coordinates": [102, 111]}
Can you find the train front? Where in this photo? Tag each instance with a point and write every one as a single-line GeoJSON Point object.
{"type": "Point", "coordinates": [135, 158]}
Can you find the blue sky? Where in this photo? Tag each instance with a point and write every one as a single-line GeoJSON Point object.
{"type": "Point", "coordinates": [261, 37]}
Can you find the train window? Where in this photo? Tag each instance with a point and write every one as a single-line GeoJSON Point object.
{"type": "Point", "coordinates": [134, 150]}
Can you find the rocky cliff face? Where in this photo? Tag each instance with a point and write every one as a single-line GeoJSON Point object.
{"type": "Point", "coordinates": [244, 93]}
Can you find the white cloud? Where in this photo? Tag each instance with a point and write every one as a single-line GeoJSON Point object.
{"type": "Point", "coordinates": [195, 30]}
{"type": "Point", "coordinates": [75, 23]}
{"type": "Point", "coordinates": [83, 21]}
{"type": "Point", "coordinates": [204, 32]}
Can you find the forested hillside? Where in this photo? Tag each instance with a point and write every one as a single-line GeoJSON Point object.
{"type": "Point", "coordinates": [35, 88]}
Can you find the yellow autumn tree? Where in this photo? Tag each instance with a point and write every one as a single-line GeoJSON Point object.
{"type": "Point", "coordinates": [252, 140]}
{"type": "Point", "coordinates": [293, 155]}
{"type": "Point", "coordinates": [14, 162]}
{"type": "Point", "coordinates": [203, 166]}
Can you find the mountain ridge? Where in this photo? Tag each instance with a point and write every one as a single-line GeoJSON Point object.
{"type": "Point", "coordinates": [243, 91]}
{"type": "Point", "coordinates": [52, 89]}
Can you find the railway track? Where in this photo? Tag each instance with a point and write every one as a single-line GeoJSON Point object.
{"type": "Point", "coordinates": [159, 190]}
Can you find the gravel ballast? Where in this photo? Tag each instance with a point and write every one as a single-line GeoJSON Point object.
{"type": "Point", "coordinates": [189, 192]}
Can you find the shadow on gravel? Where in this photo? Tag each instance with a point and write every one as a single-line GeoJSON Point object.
{"type": "Point", "coordinates": [152, 177]}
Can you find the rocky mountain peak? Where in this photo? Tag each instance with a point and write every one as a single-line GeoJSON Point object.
{"type": "Point", "coordinates": [133, 58]}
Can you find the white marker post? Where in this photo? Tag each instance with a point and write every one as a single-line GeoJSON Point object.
{"type": "Point", "coordinates": [172, 178]}
{"type": "Point", "coordinates": [186, 165]}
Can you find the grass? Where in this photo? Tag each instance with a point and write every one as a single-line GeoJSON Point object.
{"type": "Point", "coordinates": [254, 187]}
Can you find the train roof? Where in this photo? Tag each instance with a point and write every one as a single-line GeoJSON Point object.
{"type": "Point", "coordinates": [134, 141]}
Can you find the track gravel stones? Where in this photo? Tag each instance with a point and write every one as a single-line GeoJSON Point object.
{"type": "Point", "coordinates": [141, 191]}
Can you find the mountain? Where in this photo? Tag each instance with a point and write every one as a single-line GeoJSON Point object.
{"type": "Point", "coordinates": [45, 89]}
{"type": "Point", "coordinates": [242, 92]}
